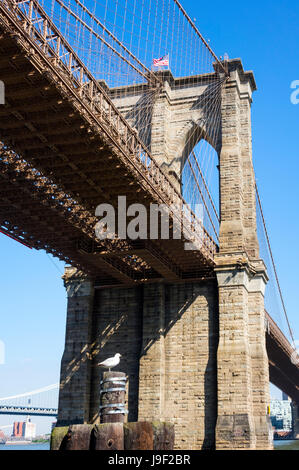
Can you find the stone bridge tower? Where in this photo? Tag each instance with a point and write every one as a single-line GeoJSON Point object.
{"type": "Point", "coordinates": [242, 362]}
{"type": "Point", "coordinates": [194, 352]}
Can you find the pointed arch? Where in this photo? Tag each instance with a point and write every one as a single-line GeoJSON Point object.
{"type": "Point", "coordinates": [200, 184]}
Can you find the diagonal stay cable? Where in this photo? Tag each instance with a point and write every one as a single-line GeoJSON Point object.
{"type": "Point", "coordinates": [146, 73]}
{"type": "Point", "coordinates": [206, 186]}
{"type": "Point", "coordinates": [202, 197]}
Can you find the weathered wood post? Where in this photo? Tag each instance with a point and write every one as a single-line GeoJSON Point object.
{"type": "Point", "coordinates": [77, 437]}
{"type": "Point", "coordinates": [109, 435]}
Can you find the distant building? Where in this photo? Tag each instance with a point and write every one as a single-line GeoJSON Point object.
{"type": "Point", "coordinates": [281, 415]}
{"type": "Point", "coordinates": [2, 437]}
{"type": "Point", "coordinates": [17, 429]}
{"type": "Point", "coordinates": [29, 430]}
{"type": "Point", "coordinates": [24, 429]}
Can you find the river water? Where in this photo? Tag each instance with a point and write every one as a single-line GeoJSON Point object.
{"type": "Point", "coordinates": [286, 445]}
{"type": "Point", "coordinates": [278, 445]}
{"type": "Point", "coordinates": [43, 446]}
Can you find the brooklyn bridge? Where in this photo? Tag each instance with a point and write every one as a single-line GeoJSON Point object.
{"type": "Point", "coordinates": [89, 117]}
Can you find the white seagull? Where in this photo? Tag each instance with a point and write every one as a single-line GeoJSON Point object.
{"type": "Point", "coordinates": [110, 362]}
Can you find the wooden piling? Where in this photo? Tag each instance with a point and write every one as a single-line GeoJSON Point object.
{"type": "Point", "coordinates": [113, 397]}
{"type": "Point", "coordinates": [77, 437]}
{"type": "Point", "coordinates": [139, 436]}
{"type": "Point", "coordinates": [163, 435]}
{"type": "Point", "coordinates": [108, 436]}
{"type": "Point", "coordinates": [142, 435]}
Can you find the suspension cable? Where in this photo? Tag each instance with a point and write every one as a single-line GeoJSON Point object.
{"type": "Point", "coordinates": [274, 266]}
{"type": "Point", "coordinates": [34, 392]}
{"type": "Point", "coordinates": [200, 36]}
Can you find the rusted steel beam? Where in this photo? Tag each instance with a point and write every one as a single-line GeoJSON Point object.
{"type": "Point", "coordinates": [35, 92]}
{"type": "Point", "coordinates": [10, 78]}
{"type": "Point", "coordinates": [151, 255]}
{"type": "Point", "coordinates": [116, 268]}
{"type": "Point", "coordinates": [82, 222]}
{"type": "Point", "coordinates": [12, 58]}
{"type": "Point", "coordinates": [33, 143]}
{"type": "Point", "coordinates": [42, 105]}
{"type": "Point", "coordinates": [42, 119]}
{"type": "Point", "coordinates": [62, 132]}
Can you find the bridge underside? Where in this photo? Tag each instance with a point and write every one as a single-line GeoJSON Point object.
{"type": "Point", "coordinates": [27, 411]}
{"type": "Point", "coordinates": [50, 128]}
{"type": "Point", "coordinates": [283, 362]}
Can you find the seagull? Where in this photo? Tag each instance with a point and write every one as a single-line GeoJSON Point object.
{"type": "Point", "coordinates": [110, 362]}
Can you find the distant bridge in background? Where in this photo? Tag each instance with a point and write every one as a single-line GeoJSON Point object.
{"type": "Point", "coordinates": [39, 402]}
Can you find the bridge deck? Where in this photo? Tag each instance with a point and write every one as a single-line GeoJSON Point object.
{"type": "Point", "coordinates": [90, 153]}
{"type": "Point", "coordinates": [283, 360]}
{"type": "Point", "coordinates": [27, 411]}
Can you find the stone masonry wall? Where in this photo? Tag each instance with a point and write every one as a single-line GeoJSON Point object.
{"type": "Point", "coordinates": [74, 394]}
{"type": "Point", "coordinates": [178, 381]}
{"type": "Point", "coordinates": [117, 323]}
{"type": "Point", "coordinates": [167, 335]}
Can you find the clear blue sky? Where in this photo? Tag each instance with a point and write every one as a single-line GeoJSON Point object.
{"type": "Point", "coordinates": [265, 35]}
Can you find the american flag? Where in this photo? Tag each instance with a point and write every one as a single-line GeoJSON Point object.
{"type": "Point", "coordinates": [162, 61]}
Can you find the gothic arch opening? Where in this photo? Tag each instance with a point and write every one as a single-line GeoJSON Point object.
{"type": "Point", "coordinates": [194, 135]}
{"type": "Point", "coordinates": [200, 185]}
